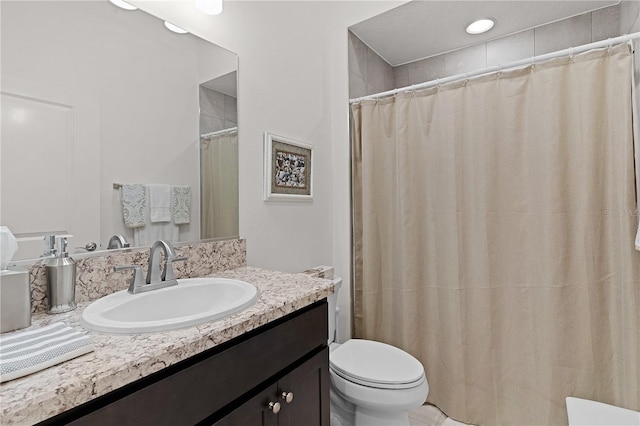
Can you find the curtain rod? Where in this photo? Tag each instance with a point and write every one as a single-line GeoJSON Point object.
{"type": "Point", "coordinates": [220, 132]}
{"type": "Point", "coordinates": [529, 61]}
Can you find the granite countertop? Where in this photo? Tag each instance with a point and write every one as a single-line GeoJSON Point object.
{"type": "Point", "coordinates": [122, 359]}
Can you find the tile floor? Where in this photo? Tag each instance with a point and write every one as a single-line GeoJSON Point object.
{"type": "Point", "coordinates": [430, 415]}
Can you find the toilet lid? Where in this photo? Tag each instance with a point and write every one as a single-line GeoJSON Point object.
{"type": "Point", "coordinates": [376, 364]}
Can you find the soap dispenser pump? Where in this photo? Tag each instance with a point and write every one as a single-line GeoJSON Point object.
{"type": "Point", "coordinates": [61, 279]}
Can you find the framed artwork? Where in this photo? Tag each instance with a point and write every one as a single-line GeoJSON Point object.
{"type": "Point", "coordinates": [288, 167]}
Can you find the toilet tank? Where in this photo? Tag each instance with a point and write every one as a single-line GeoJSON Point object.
{"type": "Point", "coordinates": [332, 300]}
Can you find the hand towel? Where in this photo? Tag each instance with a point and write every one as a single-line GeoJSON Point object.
{"type": "Point", "coordinates": [154, 231]}
{"type": "Point", "coordinates": [134, 201]}
{"type": "Point", "coordinates": [181, 204]}
{"type": "Point", "coordinates": [160, 203]}
{"type": "Point", "coordinates": [26, 352]}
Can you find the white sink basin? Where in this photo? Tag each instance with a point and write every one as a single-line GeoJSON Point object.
{"type": "Point", "coordinates": [193, 301]}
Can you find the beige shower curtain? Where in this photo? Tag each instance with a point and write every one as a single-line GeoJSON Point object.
{"type": "Point", "coordinates": [494, 224]}
{"type": "Point", "coordinates": [219, 185]}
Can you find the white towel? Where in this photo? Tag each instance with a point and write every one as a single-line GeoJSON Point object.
{"type": "Point", "coordinates": [26, 352]}
{"type": "Point", "coordinates": [134, 201]}
{"type": "Point", "coordinates": [181, 204]}
{"type": "Point", "coordinates": [154, 231]}
{"type": "Point", "coordinates": [160, 203]}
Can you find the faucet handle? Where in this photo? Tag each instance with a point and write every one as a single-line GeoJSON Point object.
{"type": "Point", "coordinates": [138, 278]}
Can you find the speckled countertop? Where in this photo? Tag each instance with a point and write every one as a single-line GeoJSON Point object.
{"type": "Point", "coordinates": [122, 359]}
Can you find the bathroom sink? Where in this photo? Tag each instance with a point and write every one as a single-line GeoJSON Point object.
{"type": "Point", "coordinates": [193, 301]}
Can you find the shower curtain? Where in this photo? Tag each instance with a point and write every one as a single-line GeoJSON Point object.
{"type": "Point", "coordinates": [219, 185]}
{"type": "Point", "coordinates": [494, 224]}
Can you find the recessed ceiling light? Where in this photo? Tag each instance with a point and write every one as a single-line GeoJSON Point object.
{"type": "Point", "coordinates": [210, 7]}
{"type": "Point", "coordinates": [480, 26]}
{"type": "Point", "coordinates": [123, 4]}
{"type": "Point", "coordinates": [174, 28]}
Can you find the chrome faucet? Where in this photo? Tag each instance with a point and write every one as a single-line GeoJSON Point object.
{"type": "Point", "coordinates": [155, 278]}
{"type": "Point", "coordinates": [153, 273]}
{"type": "Point", "coordinates": [117, 242]}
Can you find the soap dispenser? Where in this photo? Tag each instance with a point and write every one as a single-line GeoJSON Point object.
{"type": "Point", "coordinates": [61, 279]}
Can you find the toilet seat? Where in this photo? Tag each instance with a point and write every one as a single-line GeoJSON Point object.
{"type": "Point", "coordinates": [376, 365]}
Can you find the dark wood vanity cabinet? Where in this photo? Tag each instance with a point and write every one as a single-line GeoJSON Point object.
{"type": "Point", "coordinates": [304, 387]}
{"type": "Point", "coordinates": [231, 384]}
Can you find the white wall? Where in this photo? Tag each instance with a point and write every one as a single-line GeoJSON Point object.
{"type": "Point", "coordinates": [293, 81]}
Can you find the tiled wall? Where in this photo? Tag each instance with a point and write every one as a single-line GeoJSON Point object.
{"type": "Point", "coordinates": [630, 23]}
{"type": "Point", "coordinates": [369, 74]}
{"type": "Point", "coordinates": [575, 31]}
{"type": "Point", "coordinates": [217, 111]}
{"type": "Point", "coordinates": [630, 17]}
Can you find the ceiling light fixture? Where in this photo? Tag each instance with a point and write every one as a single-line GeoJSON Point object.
{"type": "Point", "coordinates": [174, 28]}
{"type": "Point", "coordinates": [123, 4]}
{"type": "Point", "coordinates": [210, 7]}
{"type": "Point", "coordinates": [480, 26]}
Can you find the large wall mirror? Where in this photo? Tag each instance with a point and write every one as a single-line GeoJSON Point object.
{"type": "Point", "coordinates": [95, 97]}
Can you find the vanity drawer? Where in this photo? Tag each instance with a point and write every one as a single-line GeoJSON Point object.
{"type": "Point", "coordinates": [198, 387]}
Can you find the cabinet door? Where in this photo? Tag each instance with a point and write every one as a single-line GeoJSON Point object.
{"type": "Point", "coordinates": [255, 412]}
{"type": "Point", "coordinates": [309, 385]}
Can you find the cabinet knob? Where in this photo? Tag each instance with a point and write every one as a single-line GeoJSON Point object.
{"type": "Point", "coordinates": [274, 407]}
{"type": "Point", "coordinates": [287, 396]}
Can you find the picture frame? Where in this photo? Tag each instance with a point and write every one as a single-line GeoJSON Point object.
{"type": "Point", "coordinates": [288, 169]}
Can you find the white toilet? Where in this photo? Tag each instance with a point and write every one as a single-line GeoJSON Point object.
{"type": "Point", "coordinates": [372, 383]}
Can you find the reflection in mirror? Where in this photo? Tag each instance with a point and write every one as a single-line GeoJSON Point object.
{"type": "Point", "coordinates": [219, 157]}
{"type": "Point", "coordinates": [92, 96]}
